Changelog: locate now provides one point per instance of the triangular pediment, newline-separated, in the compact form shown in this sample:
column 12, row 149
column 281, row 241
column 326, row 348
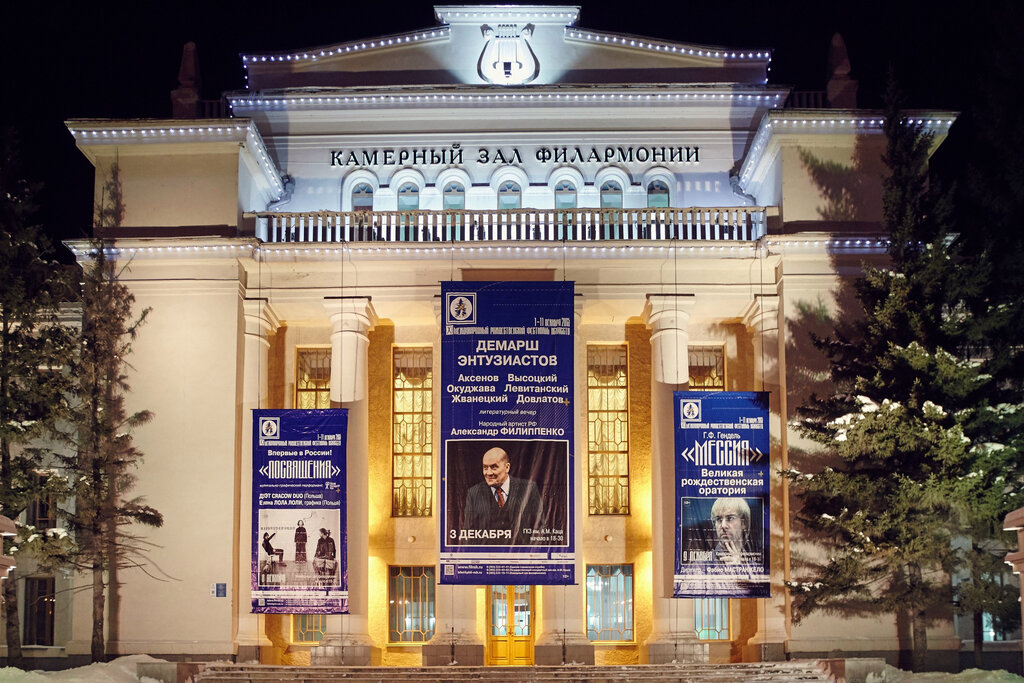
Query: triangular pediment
column 504, row 46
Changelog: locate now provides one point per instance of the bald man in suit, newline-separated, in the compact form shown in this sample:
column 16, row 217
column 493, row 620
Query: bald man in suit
column 502, row 502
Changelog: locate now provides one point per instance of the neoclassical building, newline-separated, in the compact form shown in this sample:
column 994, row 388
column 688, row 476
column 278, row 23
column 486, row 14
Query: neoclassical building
column 293, row 253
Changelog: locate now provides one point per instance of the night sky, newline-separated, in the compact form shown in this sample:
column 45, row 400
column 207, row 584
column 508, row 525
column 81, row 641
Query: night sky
column 66, row 60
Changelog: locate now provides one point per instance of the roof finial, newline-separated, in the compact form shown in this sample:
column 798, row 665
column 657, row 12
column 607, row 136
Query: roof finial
column 841, row 90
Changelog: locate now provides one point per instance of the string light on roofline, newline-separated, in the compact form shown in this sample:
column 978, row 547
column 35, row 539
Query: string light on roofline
column 327, row 250
column 179, row 133
column 665, row 46
column 438, row 33
column 242, row 102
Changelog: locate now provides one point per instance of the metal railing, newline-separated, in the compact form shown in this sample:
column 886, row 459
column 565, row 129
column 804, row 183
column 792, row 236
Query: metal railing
column 737, row 223
column 806, row 99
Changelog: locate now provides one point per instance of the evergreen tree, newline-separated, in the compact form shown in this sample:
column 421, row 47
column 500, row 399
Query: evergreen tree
column 989, row 280
column 104, row 455
column 888, row 504
column 34, row 349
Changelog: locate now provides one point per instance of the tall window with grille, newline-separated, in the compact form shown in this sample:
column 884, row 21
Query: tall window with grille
column 313, row 377
column 610, row 602
column 707, row 373
column 39, row 610
column 410, row 604
column 412, row 465
column 41, row 511
column 608, row 429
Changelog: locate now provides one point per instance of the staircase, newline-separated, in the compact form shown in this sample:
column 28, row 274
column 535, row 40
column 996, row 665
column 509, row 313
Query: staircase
column 809, row 671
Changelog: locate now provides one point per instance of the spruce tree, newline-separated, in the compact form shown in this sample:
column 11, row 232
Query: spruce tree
column 988, row 281
column 34, row 349
column 887, row 504
column 104, row 455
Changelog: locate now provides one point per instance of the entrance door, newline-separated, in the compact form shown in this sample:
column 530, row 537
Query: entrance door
column 510, row 615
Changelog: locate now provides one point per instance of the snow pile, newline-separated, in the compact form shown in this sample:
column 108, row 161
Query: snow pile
column 121, row 670
column 893, row 675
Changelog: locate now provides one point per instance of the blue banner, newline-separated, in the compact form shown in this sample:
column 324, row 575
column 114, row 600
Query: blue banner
column 722, row 492
column 299, row 558
column 507, row 433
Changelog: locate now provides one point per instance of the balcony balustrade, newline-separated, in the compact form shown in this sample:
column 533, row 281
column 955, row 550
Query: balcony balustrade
column 545, row 225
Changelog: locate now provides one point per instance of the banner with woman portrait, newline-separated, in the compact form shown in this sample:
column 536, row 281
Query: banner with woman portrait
column 722, row 491
column 507, row 433
column 299, row 559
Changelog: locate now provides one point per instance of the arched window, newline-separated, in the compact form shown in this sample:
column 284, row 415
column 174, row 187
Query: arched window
column 408, row 197
column 611, row 195
column 362, row 197
column 657, row 195
column 510, row 196
column 454, row 197
column 565, row 195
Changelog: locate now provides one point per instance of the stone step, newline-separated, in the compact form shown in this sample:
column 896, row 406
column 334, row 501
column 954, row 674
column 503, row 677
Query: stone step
column 768, row 672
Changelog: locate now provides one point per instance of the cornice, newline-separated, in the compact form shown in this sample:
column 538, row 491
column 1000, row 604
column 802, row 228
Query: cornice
column 779, row 124
column 98, row 133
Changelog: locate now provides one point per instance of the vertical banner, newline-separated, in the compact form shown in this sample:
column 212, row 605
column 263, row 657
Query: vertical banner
column 299, row 558
column 722, row 491
column 507, row 433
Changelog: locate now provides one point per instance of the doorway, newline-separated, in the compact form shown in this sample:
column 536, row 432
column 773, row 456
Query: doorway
column 510, row 631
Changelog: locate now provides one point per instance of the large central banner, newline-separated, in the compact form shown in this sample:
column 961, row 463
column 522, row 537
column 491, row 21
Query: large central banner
column 722, row 492
column 507, row 433
column 299, row 559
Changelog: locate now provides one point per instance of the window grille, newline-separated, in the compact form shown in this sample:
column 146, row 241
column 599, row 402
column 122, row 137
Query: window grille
column 412, row 424
column 39, row 610
column 610, row 602
column 565, row 195
column 608, row 429
column 454, row 197
column 657, row 195
column 308, row 628
column 707, row 367
column 611, row 195
column 410, row 604
column 711, row 618
column 362, row 197
column 510, row 196
column 312, row 378
column 41, row 511
column 408, row 197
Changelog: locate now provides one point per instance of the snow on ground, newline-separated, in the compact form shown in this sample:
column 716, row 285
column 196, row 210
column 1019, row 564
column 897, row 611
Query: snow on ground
column 894, row 675
column 122, row 670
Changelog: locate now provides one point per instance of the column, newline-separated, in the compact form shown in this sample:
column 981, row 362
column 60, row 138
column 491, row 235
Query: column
column 562, row 634
column 456, row 638
column 763, row 318
column 673, row 638
column 348, row 641
column 260, row 321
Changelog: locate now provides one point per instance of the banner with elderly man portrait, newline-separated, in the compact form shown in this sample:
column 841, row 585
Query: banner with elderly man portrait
column 507, row 433
column 722, row 491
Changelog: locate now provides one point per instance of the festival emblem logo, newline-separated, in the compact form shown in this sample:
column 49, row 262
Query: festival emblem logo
column 690, row 410
column 461, row 308
column 270, row 427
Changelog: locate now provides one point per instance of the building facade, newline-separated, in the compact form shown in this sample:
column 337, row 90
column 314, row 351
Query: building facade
column 293, row 255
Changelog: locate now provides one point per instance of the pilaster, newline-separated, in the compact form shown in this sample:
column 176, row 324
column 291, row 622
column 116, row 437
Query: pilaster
column 763, row 318
column 259, row 322
column 348, row 641
column 673, row 638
